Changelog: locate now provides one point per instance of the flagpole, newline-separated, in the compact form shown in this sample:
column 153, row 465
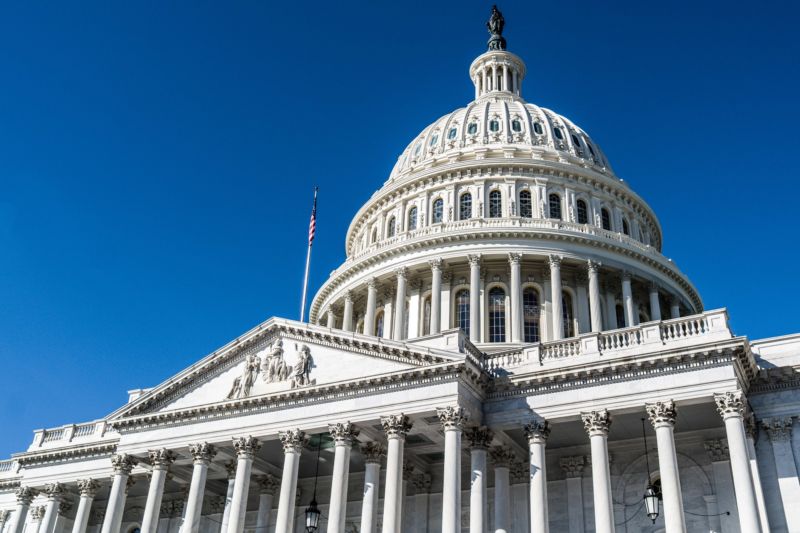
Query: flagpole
column 308, row 261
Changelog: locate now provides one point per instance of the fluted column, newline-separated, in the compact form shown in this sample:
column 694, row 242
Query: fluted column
column 751, row 430
column 514, row 261
column 372, row 452
column 779, row 431
column 267, row 486
column 24, row 497
column 292, row 441
column 160, row 461
column 730, row 406
column 122, row 464
column 537, row 432
column 474, row 298
column 54, row 493
column 400, row 305
column 202, row 454
column 480, row 438
column 662, row 416
column 436, row 295
column 573, row 471
column 597, row 424
column 369, row 313
column 593, row 271
column 396, row 428
column 246, row 448
column 655, row 305
column 453, row 420
column 557, row 317
column 627, row 300
column 501, row 459
column 347, row 321
column 343, row 436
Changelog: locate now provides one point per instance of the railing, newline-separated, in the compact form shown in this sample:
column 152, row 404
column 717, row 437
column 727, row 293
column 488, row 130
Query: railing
column 692, row 327
column 51, row 435
column 619, row 339
column 6, row 466
column 560, row 349
column 84, row 430
column 70, row 432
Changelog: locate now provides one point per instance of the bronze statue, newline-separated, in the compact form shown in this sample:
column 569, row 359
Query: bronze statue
column 495, row 27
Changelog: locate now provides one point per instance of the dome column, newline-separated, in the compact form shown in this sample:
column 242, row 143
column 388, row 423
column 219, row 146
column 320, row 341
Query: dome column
column 516, row 297
column 474, row 298
column 674, row 308
column 400, row 305
column 627, row 299
column 436, row 295
column 655, row 306
column 369, row 315
column 592, row 269
column 555, row 297
column 347, row 321
column 331, row 318
column 611, row 307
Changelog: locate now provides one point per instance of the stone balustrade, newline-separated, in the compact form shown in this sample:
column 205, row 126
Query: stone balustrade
column 61, row 436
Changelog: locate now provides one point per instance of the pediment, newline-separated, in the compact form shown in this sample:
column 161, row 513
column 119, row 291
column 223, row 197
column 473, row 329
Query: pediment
column 282, row 356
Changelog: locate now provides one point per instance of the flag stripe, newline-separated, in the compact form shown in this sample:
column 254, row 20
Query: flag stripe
column 312, row 225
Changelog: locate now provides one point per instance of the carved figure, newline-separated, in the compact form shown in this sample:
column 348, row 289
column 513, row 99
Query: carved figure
column 302, row 368
column 251, row 367
column 495, row 27
column 274, row 368
column 235, row 388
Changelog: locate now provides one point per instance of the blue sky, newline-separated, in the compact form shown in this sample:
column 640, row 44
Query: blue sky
column 157, row 161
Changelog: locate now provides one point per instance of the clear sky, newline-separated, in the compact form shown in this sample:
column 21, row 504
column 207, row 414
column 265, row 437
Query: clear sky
column 157, row 161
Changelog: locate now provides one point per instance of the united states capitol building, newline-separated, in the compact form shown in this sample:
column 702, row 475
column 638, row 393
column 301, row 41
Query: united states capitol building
column 504, row 349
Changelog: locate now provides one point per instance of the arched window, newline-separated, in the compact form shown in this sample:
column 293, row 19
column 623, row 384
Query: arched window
column 555, row 206
column 558, row 133
column 495, row 204
column 390, row 228
column 412, row 218
column 426, row 316
column 497, row 315
column 537, row 128
column 583, row 213
column 494, row 125
column 576, row 142
column 625, row 229
column 434, row 139
column 472, row 129
column 525, row 204
column 379, row 324
column 516, row 125
column 451, row 134
column 374, row 235
column 530, row 315
column 605, row 219
column 567, row 316
column 438, row 210
column 462, row 310
column 465, row 206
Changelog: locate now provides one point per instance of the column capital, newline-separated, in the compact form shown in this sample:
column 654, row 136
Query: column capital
column 37, row 513
column 730, row 404
column 88, row 487
column 64, row 507
column 514, row 258
column 436, row 263
column 661, row 413
column 267, row 484
column 123, row 463
column 292, row 440
column 161, row 459
column 246, row 446
column 626, row 275
column 572, row 466
column 452, row 418
column 653, row 285
column 230, row 469
column 501, row 456
column 555, row 261
column 401, row 273
column 474, row 260
column 202, row 452
column 537, row 431
column 372, row 283
column 597, row 422
column 717, row 450
column 25, row 495
column 343, row 433
column 348, row 296
column 54, row 491
column 421, row 482
column 480, row 437
column 593, row 267
column 779, row 429
column 396, row 426
column 408, row 469
column 373, row 452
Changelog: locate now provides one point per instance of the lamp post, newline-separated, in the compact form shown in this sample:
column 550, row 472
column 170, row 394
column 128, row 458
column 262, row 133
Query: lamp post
column 312, row 511
column 650, row 494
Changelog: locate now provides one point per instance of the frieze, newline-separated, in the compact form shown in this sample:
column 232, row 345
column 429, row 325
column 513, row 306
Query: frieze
column 65, row 454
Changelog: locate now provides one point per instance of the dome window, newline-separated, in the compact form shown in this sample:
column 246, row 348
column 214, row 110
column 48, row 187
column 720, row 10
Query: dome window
column 472, row 129
column 417, row 149
column 576, row 141
column 495, row 204
column 434, row 139
column 583, row 214
column 559, row 135
column 516, row 125
column 567, row 315
column 465, row 206
column 537, row 128
column 591, row 150
column 555, row 206
column 412, row 219
column 605, row 219
column 525, row 204
column 625, row 228
column 530, row 315
column 437, row 211
column 462, row 310
column 494, row 125
column 374, row 238
column 497, row 315
column 390, row 228
column 452, row 134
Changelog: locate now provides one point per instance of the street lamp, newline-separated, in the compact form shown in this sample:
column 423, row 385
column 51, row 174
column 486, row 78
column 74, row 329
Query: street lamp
column 650, row 494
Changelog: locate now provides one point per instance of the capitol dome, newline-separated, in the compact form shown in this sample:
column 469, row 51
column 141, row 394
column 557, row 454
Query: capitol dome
column 506, row 220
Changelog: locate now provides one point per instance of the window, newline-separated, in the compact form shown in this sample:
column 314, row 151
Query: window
column 417, row 149
column 434, row 139
column 591, row 150
column 472, row 129
column 537, row 128
column 438, row 209
column 620, row 316
column 583, row 214
column 558, row 133
column 516, row 125
column 494, row 125
column 555, row 206
column 567, row 316
column 465, row 206
column 530, row 315
column 374, row 235
column 462, row 310
column 625, row 229
column 412, row 219
column 390, row 227
column 379, row 324
column 605, row 219
column 426, row 316
column 497, row 315
column 525, row 204
column 452, row 134
column 576, row 142
column 495, row 204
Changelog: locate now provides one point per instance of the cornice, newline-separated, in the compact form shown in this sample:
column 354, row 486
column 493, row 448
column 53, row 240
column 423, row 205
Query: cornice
column 10, row 484
column 775, row 379
column 67, row 453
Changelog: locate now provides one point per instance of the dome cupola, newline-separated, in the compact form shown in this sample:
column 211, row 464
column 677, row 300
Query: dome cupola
column 497, row 71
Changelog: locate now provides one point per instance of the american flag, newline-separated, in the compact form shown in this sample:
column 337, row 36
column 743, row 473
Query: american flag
column 312, row 225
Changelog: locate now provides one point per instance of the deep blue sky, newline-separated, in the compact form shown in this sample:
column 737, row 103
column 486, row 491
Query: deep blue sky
column 157, row 161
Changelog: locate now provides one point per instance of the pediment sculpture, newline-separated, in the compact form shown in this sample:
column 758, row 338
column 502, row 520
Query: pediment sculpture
column 274, row 369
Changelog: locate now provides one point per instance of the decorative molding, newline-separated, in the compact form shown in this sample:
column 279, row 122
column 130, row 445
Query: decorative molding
column 343, row 433
column 779, row 429
column 572, row 466
column 396, row 426
column 66, row 454
column 373, row 452
column 452, row 418
column 537, row 431
column 717, row 450
column 88, row 487
column 480, row 437
column 596, row 422
column 202, row 453
column 730, row 404
column 661, row 413
column 123, row 463
column 292, row 440
column 25, row 495
column 161, row 459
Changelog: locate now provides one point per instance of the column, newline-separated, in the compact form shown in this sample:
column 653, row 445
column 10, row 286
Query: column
column 751, row 429
column 414, row 305
column 160, row 460
column 331, row 318
column 725, row 500
column 230, row 466
column 662, row 416
column 474, row 297
column 627, row 299
column 597, row 424
column 267, row 486
column 202, row 454
column 37, row 514
column 61, row 516
column 343, row 436
column 396, row 428
column 5, row 514
column 479, row 439
column 730, row 406
column 453, row 420
column 369, row 314
column 779, row 431
column 505, row 77
column 536, row 433
column 54, row 493
column 400, row 305
column 593, row 271
column 88, row 490
column 573, row 471
column 655, row 305
column 436, row 295
column 122, row 464
column 24, row 497
column 514, row 261
column 555, row 298
column 502, row 458
column 372, row 452
column 611, row 308
column 422, row 488
column 347, row 321
column 447, row 300
column 246, row 448
column 292, row 441
column 674, row 308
